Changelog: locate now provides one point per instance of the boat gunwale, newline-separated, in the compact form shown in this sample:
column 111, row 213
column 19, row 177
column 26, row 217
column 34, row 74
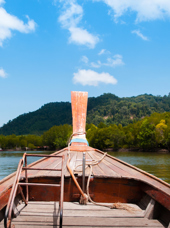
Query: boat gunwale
column 101, row 152
column 30, row 165
column 136, row 168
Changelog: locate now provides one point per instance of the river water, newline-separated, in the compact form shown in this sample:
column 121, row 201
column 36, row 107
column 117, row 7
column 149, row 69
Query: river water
column 9, row 160
column 154, row 163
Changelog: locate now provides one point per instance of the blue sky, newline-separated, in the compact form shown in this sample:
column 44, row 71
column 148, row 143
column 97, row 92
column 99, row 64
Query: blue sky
column 51, row 47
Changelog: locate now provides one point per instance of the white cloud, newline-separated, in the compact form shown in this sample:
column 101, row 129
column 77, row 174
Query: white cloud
column 102, row 52
column 115, row 61
column 9, row 22
column 138, row 33
column 3, row 74
column 145, row 9
column 71, row 15
column 92, row 78
column 70, row 18
column 82, row 37
column 84, row 59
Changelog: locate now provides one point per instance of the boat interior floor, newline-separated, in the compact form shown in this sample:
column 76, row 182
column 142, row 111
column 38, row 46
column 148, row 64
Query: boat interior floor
column 46, row 214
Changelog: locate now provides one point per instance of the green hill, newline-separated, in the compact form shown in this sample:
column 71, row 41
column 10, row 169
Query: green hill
column 106, row 108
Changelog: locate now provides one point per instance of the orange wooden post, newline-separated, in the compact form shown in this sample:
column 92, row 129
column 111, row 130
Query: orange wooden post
column 79, row 112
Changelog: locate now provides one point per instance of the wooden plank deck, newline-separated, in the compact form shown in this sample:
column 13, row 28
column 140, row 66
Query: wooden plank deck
column 45, row 214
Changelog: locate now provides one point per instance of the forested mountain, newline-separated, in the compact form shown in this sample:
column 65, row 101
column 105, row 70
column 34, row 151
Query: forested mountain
column 106, row 108
column 57, row 113
column 114, row 110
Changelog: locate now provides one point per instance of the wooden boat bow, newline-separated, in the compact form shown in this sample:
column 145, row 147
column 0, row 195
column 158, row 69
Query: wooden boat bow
column 111, row 180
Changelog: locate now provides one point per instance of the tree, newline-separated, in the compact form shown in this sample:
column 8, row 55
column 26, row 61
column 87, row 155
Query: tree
column 57, row 136
column 101, row 125
column 146, row 135
column 100, row 139
column 91, row 132
column 31, row 146
column 159, row 133
column 62, row 135
column 117, row 136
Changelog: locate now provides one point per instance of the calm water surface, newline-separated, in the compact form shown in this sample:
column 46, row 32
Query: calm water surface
column 9, row 160
column 154, row 163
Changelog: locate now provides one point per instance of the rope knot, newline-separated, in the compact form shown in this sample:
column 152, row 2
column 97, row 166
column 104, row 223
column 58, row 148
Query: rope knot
column 84, row 199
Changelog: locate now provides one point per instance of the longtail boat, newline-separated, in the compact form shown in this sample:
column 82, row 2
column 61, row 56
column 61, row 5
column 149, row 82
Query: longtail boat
column 80, row 186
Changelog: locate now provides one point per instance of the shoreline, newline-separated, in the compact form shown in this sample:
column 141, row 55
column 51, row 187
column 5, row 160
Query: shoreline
column 120, row 150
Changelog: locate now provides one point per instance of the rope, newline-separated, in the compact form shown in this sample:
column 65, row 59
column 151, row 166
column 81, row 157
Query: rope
column 111, row 206
column 87, row 189
column 86, row 197
column 74, row 179
column 76, row 133
column 94, row 162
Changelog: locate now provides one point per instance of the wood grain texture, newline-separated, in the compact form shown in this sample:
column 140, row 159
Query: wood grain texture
column 45, row 214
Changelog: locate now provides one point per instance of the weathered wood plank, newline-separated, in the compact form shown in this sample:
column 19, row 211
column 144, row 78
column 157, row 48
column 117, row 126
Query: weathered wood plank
column 50, row 226
column 140, row 174
column 150, row 209
column 78, row 164
column 75, row 205
column 123, row 169
column 56, row 226
column 45, row 214
column 56, row 165
column 48, row 211
column 35, row 173
column 113, row 222
column 83, row 221
column 75, row 209
column 83, row 213
column 72, row 154
column 115, row 168
column 106, row 169
column 97, row 171
column 158, row 195
column 46, row 162
column 32, row 226
column 144, row 202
